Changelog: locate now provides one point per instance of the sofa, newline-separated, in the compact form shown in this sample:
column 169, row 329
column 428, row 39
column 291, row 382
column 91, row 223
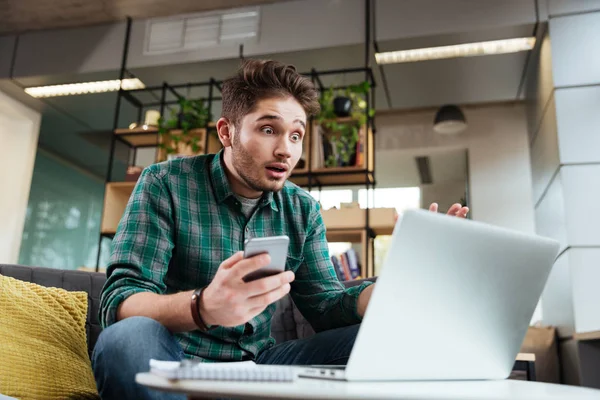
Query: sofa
column 287, row 323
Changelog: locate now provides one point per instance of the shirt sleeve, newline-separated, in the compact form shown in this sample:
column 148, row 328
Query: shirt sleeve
column 321, row 298
column 142, row 247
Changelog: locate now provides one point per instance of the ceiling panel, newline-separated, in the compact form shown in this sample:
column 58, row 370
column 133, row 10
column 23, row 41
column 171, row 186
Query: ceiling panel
column 458, row 81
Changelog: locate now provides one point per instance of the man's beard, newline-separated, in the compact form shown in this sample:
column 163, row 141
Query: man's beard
column 244, row 164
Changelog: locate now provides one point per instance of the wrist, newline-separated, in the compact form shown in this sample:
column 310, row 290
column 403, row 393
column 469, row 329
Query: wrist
column 199, row 314
column 204, row 313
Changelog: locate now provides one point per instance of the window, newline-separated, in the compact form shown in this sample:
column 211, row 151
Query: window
column 332, row 198
column 399, row 198
column 62, row 225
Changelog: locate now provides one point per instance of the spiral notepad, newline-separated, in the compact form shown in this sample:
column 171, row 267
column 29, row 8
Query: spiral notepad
column 228, row 371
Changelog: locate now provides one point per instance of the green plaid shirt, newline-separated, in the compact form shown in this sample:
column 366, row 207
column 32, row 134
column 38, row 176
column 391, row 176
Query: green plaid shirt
column 183, row 220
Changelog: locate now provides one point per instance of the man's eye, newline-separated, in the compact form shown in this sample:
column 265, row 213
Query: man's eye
column 268, row 130
column 296, row 137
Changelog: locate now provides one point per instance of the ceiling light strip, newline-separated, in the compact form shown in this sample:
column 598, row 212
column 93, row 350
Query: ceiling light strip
column 459, row 50
column 71, row 89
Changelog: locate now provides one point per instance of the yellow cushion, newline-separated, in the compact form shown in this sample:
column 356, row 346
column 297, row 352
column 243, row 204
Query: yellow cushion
column 43, row 351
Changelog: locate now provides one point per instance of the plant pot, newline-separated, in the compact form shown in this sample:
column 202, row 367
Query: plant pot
column 342, row 106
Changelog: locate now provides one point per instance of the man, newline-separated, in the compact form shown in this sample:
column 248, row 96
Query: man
column 175, row 288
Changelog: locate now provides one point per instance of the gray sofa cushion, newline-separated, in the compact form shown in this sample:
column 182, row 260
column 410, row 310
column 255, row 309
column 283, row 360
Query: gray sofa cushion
column 69, row 280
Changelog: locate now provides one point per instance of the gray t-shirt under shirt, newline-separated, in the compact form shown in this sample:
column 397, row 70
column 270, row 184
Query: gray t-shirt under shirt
column 248, row 205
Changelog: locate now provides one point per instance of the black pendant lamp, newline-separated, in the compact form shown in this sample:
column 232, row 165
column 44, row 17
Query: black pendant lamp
column 449, row 120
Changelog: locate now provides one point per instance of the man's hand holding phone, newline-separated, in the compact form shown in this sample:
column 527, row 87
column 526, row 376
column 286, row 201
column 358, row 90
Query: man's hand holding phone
column 230, row 301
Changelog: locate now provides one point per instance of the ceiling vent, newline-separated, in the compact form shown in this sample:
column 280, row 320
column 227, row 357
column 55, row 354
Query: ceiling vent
column 195, row 31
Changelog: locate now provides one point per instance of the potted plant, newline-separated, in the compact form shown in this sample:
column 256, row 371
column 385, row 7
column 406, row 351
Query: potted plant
column 192, row 114
column 343, row 136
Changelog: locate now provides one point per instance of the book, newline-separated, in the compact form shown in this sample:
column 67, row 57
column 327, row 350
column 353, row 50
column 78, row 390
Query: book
column 222, row 371
column 339, row 271
column 353, row 263
column 344, row 262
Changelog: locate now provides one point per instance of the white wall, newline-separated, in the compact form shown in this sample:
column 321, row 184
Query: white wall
column 445, row 194
column 499, row 165
column 498, row 159
column 19, row 130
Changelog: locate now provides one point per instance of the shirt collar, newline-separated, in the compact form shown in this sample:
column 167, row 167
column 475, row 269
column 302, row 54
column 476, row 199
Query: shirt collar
column 221, row 185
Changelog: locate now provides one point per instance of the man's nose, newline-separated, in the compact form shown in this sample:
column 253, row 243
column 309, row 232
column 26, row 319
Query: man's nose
column 283, row 148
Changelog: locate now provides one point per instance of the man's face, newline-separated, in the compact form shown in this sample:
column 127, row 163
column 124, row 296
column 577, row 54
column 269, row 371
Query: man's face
column 267, row 143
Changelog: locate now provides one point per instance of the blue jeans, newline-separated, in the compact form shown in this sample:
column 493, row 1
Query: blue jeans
column 125, row 348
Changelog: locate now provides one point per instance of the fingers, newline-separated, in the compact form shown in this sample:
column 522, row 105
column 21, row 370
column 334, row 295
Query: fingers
column 246, row 265
column 268, row 284
column 231, row 261
column 433, row 207
column 454, row 209
column 458, row 210
column 263, row 300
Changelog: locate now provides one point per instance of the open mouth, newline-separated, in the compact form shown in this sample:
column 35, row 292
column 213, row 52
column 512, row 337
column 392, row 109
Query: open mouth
column 276, row 169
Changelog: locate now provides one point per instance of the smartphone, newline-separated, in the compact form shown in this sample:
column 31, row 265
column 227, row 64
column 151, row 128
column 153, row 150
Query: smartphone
column 275, row 246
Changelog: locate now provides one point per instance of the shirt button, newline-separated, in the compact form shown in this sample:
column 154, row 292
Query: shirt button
column 247, row 229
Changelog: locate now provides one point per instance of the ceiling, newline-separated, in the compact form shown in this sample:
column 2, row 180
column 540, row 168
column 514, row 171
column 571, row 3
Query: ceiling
column 27, row 15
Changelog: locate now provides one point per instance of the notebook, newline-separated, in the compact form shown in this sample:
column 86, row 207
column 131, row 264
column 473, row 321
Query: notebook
column 227, row 371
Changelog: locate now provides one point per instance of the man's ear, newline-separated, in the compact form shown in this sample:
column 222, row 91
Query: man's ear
column 225, row 129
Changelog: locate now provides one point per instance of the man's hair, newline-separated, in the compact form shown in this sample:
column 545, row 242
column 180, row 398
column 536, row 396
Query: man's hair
column 260, row 79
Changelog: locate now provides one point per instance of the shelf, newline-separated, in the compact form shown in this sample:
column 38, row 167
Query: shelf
column 593, row 335
column 115, row 200
column 138, row 137
column 527, row 357
column 350, row 235
column 335, row 170
column 338, row 176
column 348, row 220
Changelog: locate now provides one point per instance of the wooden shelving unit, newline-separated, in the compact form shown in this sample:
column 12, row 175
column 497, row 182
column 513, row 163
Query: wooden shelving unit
column 313, row 174
column 348, row 225
column 116, row 197
column 381, row 220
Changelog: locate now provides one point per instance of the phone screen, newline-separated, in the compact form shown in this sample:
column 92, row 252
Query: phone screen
column 275, row 246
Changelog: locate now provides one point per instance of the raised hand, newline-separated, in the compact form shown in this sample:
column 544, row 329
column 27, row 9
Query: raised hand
column 456, row 210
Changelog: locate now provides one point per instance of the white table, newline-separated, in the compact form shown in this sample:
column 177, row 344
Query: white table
column 321, row 389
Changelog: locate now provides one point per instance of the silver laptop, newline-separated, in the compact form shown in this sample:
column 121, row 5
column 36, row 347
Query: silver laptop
column 453, row 301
